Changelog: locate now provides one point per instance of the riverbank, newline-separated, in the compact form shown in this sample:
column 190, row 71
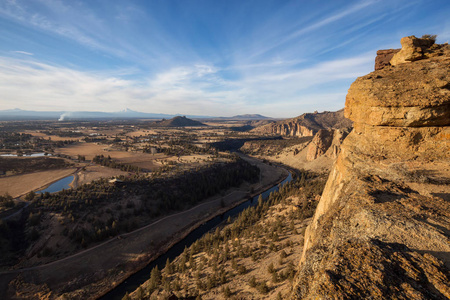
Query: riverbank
column 95, row 271
column 19, row 185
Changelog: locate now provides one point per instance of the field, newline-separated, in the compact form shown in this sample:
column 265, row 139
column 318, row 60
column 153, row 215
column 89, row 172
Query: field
column 89, row 150
column 19, row 185
column 51, row 137
column 93, row 172
column 169, row 180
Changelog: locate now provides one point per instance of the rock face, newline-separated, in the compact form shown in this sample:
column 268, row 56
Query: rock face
column 382, row 226
column 307, row 124
column 326, row 142
column 384, row 57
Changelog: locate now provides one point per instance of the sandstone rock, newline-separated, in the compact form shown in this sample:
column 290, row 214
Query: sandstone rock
column 382, row 226
column 412, row 49
column 412, row 95
column 326, row 142
column 384, row 57
column 319, row 144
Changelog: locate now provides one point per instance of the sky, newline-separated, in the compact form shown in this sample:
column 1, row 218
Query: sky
column 277, row 58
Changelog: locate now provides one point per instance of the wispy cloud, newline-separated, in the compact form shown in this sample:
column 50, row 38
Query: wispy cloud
column 23, row 52
column 189, row 89
column 74, row 23
column 315, row 26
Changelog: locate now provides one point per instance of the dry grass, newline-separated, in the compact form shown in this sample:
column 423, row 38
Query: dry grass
column 22, row 184
column 52, row 137
column 95, row 172
column 89, row 150
column 141, row 133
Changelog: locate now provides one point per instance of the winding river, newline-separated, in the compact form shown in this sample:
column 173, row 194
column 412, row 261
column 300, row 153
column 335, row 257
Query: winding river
column 138, row 278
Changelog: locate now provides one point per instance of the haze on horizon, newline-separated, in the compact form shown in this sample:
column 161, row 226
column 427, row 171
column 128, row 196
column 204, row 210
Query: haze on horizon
column 216, row 58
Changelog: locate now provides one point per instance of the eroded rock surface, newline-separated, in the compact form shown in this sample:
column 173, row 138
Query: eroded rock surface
column 384, row 57
column 307, row 124
column 326, row 142
column 382, row 227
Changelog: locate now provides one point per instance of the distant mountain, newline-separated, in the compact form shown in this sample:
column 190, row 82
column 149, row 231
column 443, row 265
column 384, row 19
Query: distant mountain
column 250, row 117
column 177, row 122
column 307, row 124
column 19, row 114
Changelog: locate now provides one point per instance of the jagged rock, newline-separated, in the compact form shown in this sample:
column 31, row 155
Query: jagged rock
column 338, row 137
column 307, row 124
column 412, row 49
column 319, row 144
column 326, row 142
column 384, row 57
column 382, row 226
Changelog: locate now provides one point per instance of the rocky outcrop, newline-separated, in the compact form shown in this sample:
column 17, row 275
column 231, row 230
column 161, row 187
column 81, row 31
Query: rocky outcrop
column 384, row 57
column 410, row 95
column 382, row 226
column 412, row 49
column 307, row 124
column 326, row 142
column 319, row 144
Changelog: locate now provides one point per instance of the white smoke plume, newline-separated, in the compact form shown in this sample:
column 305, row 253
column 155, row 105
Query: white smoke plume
column 63, row 116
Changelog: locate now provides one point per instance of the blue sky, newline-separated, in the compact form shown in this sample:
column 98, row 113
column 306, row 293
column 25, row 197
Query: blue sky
column 215, row 57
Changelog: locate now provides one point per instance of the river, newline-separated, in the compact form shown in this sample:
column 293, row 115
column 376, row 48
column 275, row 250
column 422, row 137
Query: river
column 138, row 278
column 41, row 154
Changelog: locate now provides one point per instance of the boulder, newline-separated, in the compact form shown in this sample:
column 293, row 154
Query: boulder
column 412, row 49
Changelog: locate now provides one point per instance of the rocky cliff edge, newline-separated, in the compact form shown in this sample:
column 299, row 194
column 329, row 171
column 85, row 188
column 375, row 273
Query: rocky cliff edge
column 382, row 226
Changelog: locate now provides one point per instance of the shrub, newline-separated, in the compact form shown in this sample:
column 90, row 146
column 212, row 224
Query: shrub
column 262, row 287
column 252, row 282
column 430, row 37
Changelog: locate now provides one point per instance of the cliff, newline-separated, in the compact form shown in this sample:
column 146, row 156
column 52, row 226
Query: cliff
column 307, row 124
column 382, row 226
column 326, row 142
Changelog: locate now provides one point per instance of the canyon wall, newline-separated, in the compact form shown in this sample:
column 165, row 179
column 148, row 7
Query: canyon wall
column 382, row 226
column 307, row 124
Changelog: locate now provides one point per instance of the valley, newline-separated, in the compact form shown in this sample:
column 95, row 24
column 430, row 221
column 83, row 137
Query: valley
column 324, row 205
column 130, row 199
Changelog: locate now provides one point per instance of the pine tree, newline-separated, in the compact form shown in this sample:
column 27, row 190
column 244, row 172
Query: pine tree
column 155, row 279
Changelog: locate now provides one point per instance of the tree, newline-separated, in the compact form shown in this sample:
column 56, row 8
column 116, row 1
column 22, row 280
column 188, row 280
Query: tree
column 140, row 293
column 30, row 196
column 155, row 279
column 168, row 268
